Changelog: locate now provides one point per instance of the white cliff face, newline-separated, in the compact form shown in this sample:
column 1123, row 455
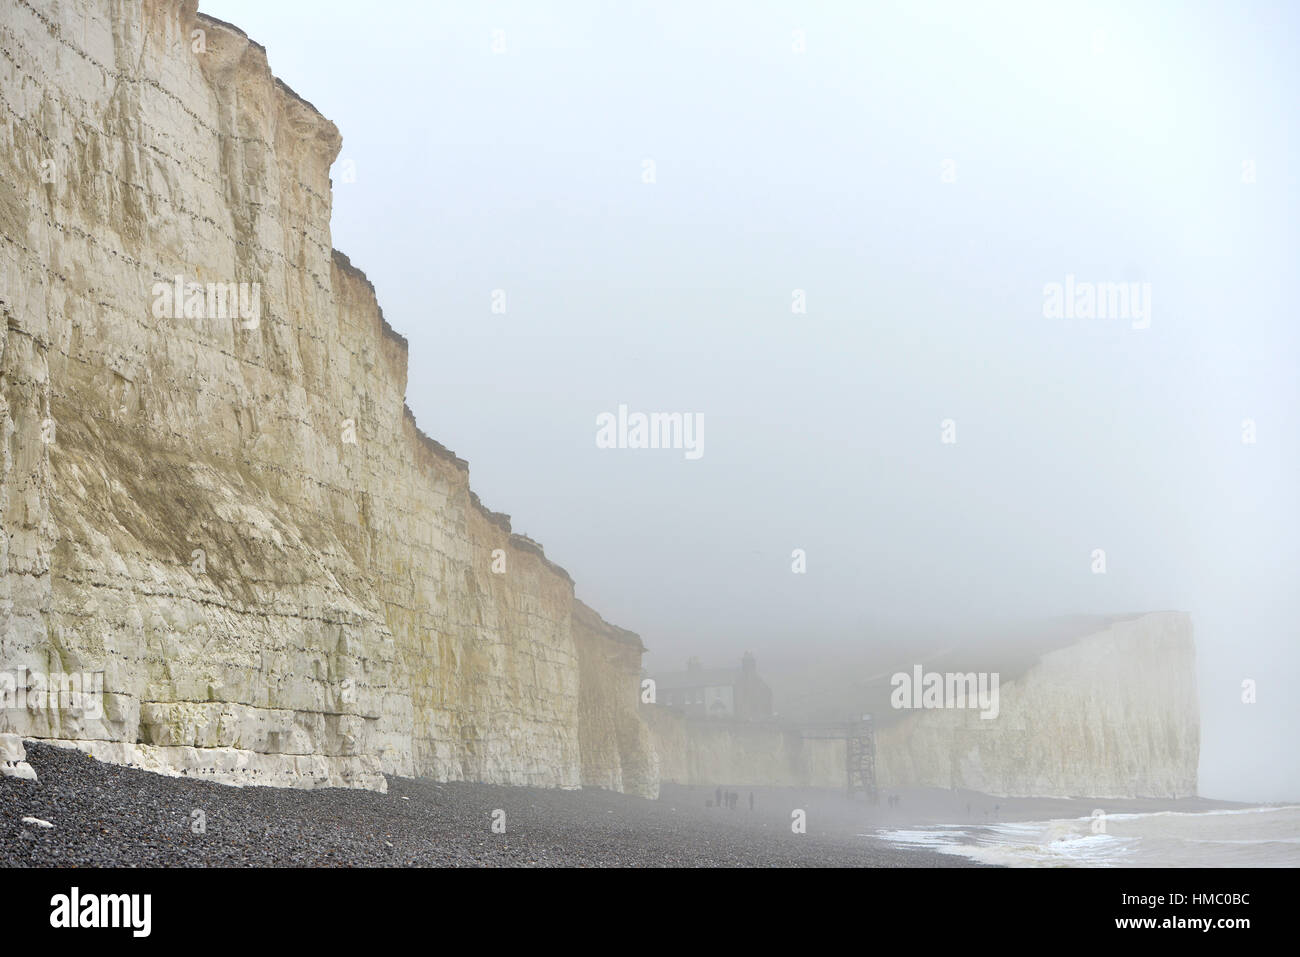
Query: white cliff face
column 234, row 517
column 617, row 749
column 1112, row 715
column 706, row 752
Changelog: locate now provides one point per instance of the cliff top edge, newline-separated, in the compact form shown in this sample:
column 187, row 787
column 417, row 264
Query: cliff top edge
column 347, row 267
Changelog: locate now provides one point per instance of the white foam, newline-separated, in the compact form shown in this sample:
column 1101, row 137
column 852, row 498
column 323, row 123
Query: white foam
column 1224, row 837
column 1028, row 844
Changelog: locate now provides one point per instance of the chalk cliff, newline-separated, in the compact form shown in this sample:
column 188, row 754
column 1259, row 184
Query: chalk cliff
column 236, row 519
column 707, row 752
column 1083, row 711
column 1113, row 714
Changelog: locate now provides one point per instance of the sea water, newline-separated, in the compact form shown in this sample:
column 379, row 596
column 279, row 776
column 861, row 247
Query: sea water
column 1241, row 837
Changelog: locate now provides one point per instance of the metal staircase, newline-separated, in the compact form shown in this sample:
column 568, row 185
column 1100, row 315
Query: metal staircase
column 860, row 739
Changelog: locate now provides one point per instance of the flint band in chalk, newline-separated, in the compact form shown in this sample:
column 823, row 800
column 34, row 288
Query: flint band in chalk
column 214, row 300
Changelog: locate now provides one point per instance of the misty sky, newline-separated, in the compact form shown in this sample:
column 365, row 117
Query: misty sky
column 1106, row 143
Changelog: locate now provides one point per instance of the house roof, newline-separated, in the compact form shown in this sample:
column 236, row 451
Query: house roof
column 697, row 678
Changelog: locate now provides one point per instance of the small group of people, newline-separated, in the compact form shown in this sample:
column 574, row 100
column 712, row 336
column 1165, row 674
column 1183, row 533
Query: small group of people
column 730, row 799
column 895, row 800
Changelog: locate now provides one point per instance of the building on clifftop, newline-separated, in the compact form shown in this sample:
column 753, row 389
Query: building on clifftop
column 699, row 692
